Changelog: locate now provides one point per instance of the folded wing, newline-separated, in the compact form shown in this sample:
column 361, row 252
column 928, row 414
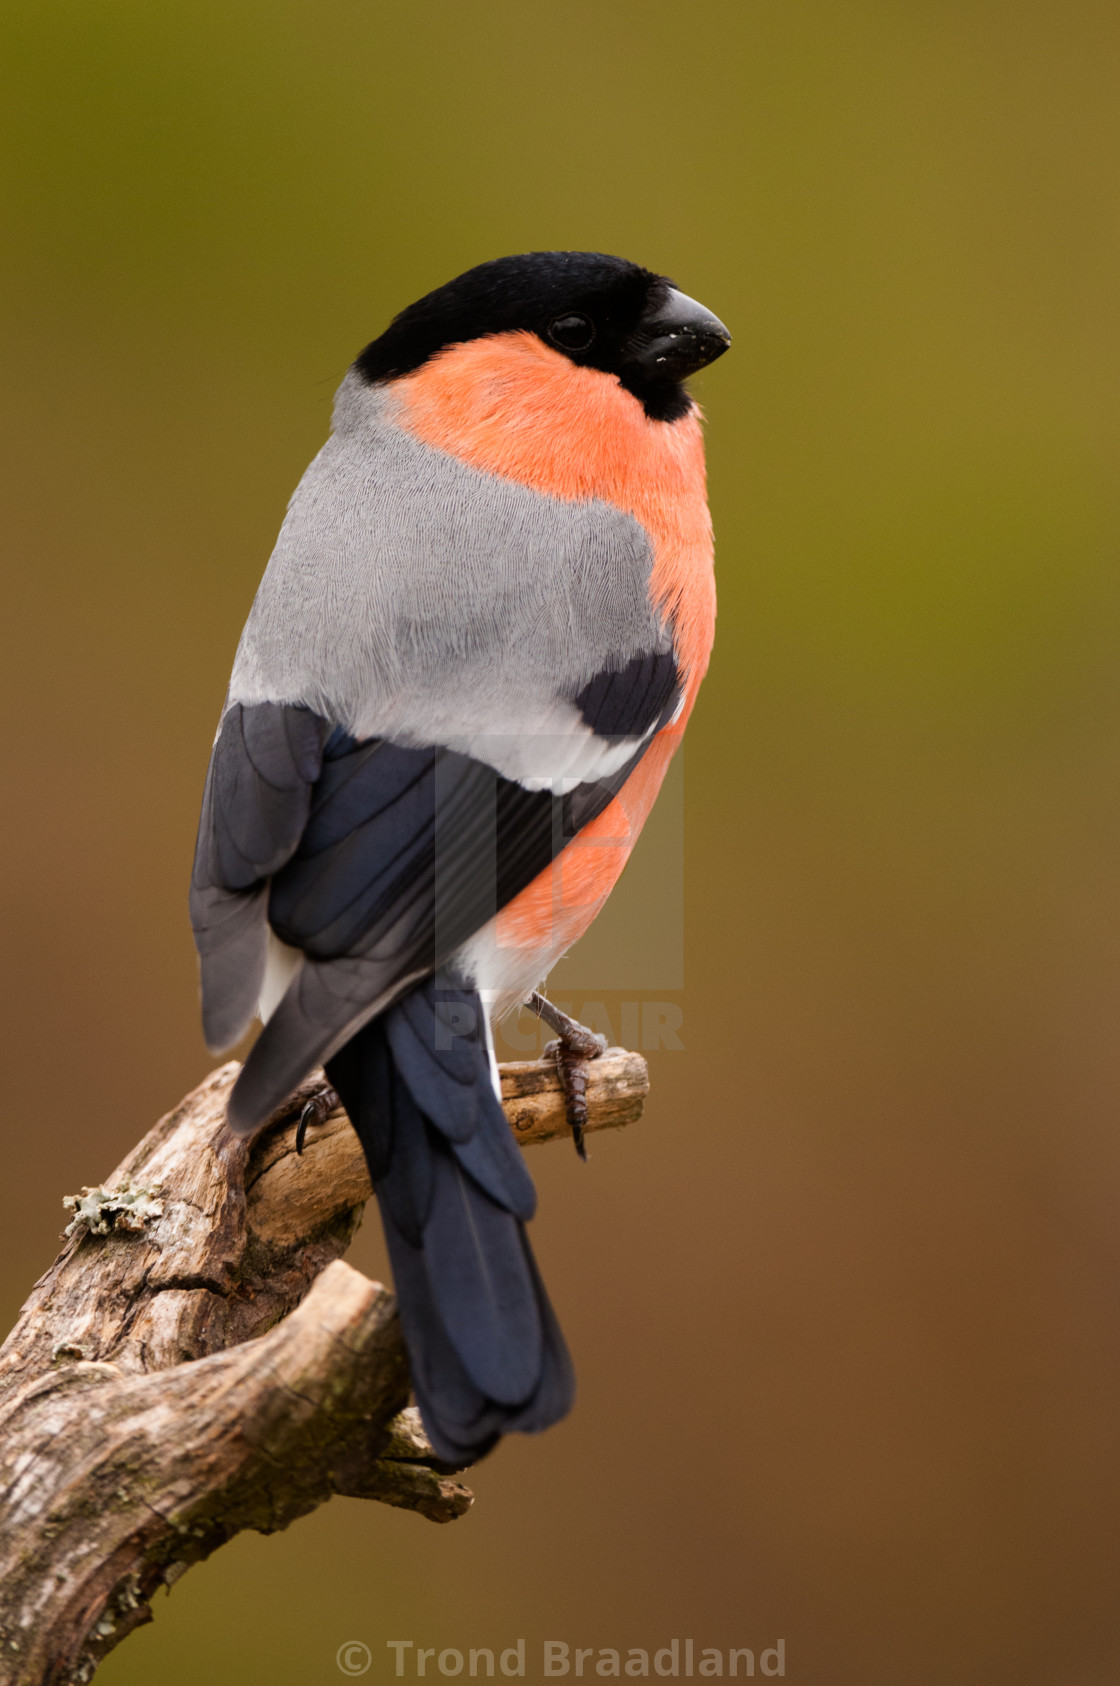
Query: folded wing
column 375, row 860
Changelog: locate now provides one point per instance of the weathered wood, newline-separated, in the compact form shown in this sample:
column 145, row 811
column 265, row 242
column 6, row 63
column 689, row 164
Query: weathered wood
column 198, row 1360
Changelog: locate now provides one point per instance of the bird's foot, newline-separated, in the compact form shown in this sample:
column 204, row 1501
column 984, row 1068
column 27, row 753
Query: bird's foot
column 574, row 1048
column 317, row 1110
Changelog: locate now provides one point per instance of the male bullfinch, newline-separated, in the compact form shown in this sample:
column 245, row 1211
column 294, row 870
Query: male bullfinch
column 472, row 654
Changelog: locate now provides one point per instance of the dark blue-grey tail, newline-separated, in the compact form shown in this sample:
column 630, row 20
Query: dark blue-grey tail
column 486, row 1352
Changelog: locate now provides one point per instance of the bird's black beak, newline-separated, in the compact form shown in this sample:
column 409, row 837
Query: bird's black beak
column 677, row 336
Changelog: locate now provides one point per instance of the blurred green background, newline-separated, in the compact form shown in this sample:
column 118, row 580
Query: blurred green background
column 846, row 1304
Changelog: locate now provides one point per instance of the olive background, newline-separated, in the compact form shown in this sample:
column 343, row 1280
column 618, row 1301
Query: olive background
column 845, row 1304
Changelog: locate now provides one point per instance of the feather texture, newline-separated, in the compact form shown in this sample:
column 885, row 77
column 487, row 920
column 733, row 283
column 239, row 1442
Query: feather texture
column 254, row 810
column 374, row 861
column 486, row 1351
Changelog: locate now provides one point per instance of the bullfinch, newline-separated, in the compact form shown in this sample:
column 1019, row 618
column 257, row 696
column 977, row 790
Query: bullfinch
column 472, row 654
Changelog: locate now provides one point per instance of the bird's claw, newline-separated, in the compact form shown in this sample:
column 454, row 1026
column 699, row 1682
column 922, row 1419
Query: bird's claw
column 316, row 1111
column 574, row 1048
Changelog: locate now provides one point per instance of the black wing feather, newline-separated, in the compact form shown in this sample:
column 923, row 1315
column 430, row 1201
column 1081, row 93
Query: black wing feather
column 254, row 810
column 629, row 701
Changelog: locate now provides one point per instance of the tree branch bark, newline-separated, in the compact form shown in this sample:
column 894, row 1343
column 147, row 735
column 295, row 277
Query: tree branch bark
column 198, row 1360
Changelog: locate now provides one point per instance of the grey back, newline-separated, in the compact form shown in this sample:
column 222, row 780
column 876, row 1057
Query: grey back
column 417, row 599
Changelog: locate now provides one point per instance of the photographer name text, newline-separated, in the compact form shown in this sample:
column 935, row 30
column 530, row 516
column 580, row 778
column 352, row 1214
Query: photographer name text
column 680, row 1659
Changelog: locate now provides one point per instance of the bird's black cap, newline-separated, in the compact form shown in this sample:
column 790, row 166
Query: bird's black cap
column 602, row 312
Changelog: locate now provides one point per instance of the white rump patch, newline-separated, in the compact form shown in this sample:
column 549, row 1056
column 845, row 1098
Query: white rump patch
column 280, row 967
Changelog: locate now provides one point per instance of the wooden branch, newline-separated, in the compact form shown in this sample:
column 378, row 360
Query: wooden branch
column 198, row 1361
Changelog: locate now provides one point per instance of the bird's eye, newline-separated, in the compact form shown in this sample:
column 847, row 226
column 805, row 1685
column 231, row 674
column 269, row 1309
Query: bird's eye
column 572, row 333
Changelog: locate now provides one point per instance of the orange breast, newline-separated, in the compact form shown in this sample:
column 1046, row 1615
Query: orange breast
column 514, row 407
